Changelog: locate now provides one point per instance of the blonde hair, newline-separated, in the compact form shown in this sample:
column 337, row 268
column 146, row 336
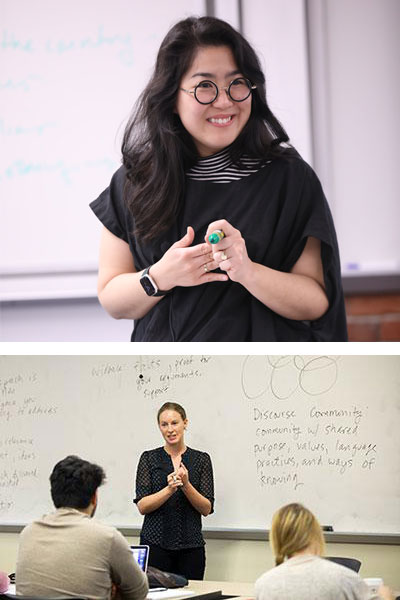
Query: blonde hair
column 294, row 528
column 172, row 406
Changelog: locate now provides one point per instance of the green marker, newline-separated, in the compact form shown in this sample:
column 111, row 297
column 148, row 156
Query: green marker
column 216, row 236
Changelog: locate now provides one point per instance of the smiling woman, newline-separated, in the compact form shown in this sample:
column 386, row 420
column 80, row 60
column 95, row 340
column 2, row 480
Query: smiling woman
column 203, row 152
column 219, row 115
column 174, row 489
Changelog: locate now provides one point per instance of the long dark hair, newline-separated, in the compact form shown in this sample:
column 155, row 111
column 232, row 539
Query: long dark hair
column 157, row 149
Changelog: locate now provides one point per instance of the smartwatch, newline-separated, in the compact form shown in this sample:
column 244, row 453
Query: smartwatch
column 149, row 285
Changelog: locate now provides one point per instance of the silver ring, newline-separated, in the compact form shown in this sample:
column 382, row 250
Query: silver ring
column 205, row 268
column 224, row 256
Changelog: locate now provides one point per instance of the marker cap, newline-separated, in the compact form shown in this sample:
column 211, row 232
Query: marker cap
column 216, row 236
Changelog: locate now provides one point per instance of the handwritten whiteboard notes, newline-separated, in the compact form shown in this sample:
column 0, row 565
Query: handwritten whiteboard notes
column 319, row 430
column 21, row 405
column 309, row 436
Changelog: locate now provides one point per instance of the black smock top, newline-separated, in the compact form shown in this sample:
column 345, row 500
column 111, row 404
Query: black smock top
column 276, row 209
column 176, row 524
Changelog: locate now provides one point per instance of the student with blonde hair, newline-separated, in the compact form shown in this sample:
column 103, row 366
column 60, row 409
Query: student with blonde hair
column 301, row 572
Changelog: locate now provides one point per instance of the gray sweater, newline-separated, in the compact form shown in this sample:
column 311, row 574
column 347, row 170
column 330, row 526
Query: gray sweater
column 66, row 553
column 309, row 577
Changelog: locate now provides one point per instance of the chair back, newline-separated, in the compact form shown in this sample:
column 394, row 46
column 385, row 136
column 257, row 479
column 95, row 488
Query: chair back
column 351, row 563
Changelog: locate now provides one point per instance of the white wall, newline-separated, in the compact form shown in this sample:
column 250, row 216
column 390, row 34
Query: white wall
column 277, row 31
column 72, row 320
column 355, row 48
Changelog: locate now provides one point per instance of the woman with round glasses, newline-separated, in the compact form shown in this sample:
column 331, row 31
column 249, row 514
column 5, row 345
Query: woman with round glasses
column 206, row 92
column 203, row 153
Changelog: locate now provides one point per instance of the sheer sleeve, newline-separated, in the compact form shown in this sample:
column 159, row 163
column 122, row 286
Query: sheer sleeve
column 143, row 478
column 207, row 480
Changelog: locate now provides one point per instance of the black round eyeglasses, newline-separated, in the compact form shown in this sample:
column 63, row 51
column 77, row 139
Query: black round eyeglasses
column 207, row 91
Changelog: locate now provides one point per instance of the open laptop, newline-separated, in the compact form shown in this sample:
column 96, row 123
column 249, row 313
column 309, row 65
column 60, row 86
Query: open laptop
column 141, row 555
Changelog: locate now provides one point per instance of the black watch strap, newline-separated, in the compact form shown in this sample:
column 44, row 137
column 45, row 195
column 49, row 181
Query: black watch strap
column 149, row 285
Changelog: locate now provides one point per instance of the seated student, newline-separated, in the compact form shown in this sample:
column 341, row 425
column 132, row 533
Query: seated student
column 67, row 553
column 301, row 573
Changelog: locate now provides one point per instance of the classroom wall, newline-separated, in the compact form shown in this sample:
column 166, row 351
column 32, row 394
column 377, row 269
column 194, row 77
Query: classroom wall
column 362, row 45
column 245, row 560
column 65, row 320
column 373, row 317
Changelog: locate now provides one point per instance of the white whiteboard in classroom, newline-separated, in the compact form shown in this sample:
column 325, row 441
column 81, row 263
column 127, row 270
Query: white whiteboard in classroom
column 320, row 430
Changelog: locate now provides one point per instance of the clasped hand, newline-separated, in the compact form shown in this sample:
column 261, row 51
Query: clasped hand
column 230, row 253
column 178, row 478
column 186, row 265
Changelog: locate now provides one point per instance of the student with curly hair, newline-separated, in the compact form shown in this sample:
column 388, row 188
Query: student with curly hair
column 68, row 553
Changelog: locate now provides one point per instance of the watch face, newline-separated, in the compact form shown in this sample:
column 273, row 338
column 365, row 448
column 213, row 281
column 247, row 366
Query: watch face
column 148, row 285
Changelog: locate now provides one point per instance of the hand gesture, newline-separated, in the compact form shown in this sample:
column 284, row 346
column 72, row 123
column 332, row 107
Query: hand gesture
column 230, row 253
column 174, row 481
column 183, row 474
column 186, row 265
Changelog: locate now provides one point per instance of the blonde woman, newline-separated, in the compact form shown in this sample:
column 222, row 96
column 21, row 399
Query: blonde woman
column 300, row 572
column 174, row 489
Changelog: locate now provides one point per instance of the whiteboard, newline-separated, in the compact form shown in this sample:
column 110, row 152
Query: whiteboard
column 277, row 30
column 361, row 188
column 70, row 74
column 320, row 430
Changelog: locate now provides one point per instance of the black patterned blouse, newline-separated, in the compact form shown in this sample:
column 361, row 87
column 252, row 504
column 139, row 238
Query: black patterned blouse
column 176, row 524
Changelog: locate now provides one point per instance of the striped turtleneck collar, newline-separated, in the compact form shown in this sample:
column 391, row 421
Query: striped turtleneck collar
column 218, row 168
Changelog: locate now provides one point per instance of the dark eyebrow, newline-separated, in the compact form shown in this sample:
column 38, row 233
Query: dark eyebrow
column 230, row 74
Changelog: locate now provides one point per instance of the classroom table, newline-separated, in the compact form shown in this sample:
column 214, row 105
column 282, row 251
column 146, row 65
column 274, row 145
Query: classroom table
column 228, row 588
column 216, row 590
column 204, row 590
column 207, row 590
